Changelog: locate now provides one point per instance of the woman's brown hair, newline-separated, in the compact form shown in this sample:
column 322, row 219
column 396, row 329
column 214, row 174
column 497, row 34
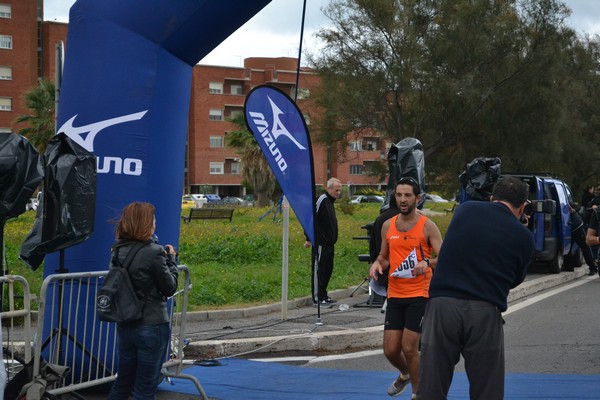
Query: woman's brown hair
column 136, row 222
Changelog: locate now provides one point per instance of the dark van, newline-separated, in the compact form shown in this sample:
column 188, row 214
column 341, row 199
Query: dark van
column 549, row 220
column 552, row 229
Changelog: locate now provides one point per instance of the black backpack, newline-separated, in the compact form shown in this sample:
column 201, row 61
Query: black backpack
column 116, row 300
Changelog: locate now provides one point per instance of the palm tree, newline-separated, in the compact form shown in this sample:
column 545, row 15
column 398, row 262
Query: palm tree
column 255, row 168
column 40, row 101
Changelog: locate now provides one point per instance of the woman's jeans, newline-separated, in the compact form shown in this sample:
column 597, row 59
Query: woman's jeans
column 142, row 350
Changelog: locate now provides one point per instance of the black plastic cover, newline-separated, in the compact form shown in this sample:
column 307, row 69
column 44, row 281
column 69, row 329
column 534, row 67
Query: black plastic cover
column 66, row 214
column 479, row 178
column 406, row 158
column 20, row 174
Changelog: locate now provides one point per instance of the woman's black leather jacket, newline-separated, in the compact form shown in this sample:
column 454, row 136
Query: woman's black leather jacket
column 154, row 277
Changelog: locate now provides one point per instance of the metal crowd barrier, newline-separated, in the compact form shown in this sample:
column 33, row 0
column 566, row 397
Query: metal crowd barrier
column 16, row 325
column 69, row 333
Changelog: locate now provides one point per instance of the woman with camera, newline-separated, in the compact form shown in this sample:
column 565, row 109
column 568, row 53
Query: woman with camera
column 142, row 345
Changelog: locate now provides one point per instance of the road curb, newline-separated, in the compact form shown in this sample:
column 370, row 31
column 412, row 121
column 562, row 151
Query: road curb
column 545, row 282
column 314, row 341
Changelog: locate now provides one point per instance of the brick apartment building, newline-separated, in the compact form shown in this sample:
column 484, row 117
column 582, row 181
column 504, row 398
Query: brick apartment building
column 20, row 53
column 27, row 52
column 218, row 94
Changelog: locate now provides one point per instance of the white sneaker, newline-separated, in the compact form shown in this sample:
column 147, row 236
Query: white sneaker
column 398, row 386
column 324, row 304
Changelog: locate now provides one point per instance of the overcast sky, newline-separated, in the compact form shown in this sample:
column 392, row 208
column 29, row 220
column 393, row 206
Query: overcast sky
column 275, row 31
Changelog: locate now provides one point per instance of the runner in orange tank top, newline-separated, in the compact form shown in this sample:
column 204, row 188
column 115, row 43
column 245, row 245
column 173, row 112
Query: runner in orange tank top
column 409, row 242
column 406, row 250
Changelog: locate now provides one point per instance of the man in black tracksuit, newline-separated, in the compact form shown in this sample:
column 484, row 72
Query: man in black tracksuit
column 323, row 250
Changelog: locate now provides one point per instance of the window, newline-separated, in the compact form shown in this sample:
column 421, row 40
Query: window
column 216, row 141
column 5, row 73
column 237, row 90
column 235, row 168
column 356, row 169
column 216, row 168
column 5, row 42
column 5, row 130
column 5, row 11
column 215, row 88
column 371, row 145
column 215, row 115
column 355, row 145
column 5, row 104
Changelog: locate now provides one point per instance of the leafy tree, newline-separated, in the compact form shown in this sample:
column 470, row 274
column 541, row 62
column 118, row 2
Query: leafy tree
column 255, row 168
column 468, row 78
column 582, row 117
column 41, row 121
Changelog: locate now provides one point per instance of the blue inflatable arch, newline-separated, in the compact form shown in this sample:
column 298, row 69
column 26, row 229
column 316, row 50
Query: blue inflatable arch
column 125, row 97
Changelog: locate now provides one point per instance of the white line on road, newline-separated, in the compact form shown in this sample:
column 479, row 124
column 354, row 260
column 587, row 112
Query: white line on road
column 315, row 359
column 285, row 359
column 543, row 296
column 347, row 356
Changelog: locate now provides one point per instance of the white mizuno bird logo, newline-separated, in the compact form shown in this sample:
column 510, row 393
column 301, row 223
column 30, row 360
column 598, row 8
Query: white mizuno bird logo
column 78, row 133
column 278, row 128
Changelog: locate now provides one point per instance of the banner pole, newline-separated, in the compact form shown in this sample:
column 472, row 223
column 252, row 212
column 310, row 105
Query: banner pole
column 58, row 66
column 300, row 51
column 284, row 258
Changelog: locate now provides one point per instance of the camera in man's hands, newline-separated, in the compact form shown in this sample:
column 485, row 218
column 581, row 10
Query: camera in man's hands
column 527, row 212
column 538, row 206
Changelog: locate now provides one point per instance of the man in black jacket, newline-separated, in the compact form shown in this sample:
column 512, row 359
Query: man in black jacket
column 578, row 233
column 323, row 250
column 485, row 253
column 375, row 239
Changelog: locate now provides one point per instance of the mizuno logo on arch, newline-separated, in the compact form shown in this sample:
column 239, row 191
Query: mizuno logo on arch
column 85, row 136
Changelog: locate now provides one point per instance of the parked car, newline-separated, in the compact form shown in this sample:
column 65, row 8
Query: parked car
column 549, row 221
column 249, row 200
column 358, row 199
column 212, row 198
column 434, row 198
column 232, row 201
column 199, row 200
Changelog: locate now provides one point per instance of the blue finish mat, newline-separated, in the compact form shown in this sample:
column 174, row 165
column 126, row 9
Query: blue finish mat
column 252, row 380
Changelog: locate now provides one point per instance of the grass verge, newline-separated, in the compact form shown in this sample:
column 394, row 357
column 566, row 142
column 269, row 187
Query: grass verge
column 239, row 263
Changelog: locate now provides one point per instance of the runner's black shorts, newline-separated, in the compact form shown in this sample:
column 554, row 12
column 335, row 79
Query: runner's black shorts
column 405, row 313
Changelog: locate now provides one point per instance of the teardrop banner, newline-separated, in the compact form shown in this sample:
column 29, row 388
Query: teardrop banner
column 281, row 132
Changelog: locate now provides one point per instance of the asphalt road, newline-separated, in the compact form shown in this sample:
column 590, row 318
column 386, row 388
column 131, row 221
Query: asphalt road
column 555, row 333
